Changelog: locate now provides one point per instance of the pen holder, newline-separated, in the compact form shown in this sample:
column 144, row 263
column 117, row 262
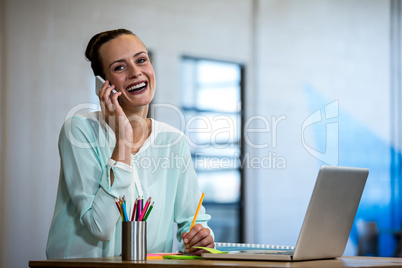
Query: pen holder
column 134, row 241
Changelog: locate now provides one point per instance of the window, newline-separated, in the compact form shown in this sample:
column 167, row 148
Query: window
column 211, row 103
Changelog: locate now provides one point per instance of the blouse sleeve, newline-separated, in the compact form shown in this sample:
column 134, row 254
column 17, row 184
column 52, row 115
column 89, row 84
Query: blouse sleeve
column 187, row 199
column 87, row 178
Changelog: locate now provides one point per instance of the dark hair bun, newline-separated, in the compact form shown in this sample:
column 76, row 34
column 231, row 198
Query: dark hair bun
column 89, row 50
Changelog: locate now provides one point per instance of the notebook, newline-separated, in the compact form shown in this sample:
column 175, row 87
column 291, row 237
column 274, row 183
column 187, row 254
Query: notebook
column 327, row 223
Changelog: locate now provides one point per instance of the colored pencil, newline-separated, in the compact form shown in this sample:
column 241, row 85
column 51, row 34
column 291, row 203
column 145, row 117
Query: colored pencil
column 125, row 211
column 139, row 208
column 196, row 212
column 145, row 209
column 117, row 204
column 134, row 209
column 149, row 211
column 119, row 208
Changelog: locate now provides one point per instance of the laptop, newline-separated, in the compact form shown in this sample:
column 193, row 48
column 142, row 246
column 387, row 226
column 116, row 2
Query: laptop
column 327, row 223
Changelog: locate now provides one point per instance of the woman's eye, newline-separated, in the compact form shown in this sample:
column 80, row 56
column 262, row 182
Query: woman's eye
column 118, row 68
column 142, row 60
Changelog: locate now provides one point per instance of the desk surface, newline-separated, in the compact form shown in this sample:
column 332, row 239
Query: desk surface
column 117, row 262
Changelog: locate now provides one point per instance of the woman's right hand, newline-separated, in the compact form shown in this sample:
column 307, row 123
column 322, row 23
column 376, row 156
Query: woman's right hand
column 116, row 118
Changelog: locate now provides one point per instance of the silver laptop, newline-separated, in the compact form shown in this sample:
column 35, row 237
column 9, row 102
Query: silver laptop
column 327, row 223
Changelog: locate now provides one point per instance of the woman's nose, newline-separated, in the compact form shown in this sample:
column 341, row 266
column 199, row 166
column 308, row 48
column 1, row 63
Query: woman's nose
column 134, row 71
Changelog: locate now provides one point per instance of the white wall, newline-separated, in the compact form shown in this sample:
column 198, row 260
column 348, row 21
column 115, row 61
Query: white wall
column 2, row 122
column 340, row 47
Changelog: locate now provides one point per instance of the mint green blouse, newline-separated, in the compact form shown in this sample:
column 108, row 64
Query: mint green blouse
column 86, row 221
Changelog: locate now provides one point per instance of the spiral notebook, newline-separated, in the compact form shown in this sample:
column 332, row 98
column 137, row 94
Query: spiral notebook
column 243, row 246
column 326, row 226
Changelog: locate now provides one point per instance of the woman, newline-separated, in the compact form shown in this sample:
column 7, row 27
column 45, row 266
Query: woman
column 107, row 155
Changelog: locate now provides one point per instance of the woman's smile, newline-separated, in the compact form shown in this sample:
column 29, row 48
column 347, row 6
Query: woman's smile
column 137, row 88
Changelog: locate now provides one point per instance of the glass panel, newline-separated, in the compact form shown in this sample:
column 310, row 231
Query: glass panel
column 230, row 151
column 225, row 99
column 217, row 72
column 188, row 81
column 221, row 187
column 225, row 222
column 210, row 129
column 212, row 109
column 204, row 162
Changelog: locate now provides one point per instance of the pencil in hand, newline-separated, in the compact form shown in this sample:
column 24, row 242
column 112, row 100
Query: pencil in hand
column 196, row 212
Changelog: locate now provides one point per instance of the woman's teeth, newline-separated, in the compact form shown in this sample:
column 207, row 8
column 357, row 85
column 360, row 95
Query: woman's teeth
column 137, row 87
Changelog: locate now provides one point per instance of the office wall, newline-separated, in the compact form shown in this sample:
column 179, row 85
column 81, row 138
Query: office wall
column 331, row 56
column 299, row 57
column 2, row 118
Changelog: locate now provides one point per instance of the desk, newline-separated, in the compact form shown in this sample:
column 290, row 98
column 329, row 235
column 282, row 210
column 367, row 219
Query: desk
column 117, row 262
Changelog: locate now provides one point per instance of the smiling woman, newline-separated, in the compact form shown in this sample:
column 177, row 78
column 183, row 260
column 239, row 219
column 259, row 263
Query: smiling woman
column 127, row 66
column 94, row 172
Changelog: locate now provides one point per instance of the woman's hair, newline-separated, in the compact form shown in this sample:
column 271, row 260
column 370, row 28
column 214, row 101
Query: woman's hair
column 92, row 51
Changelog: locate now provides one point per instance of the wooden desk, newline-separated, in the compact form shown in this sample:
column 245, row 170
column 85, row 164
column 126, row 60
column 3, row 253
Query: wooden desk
column 117, row 262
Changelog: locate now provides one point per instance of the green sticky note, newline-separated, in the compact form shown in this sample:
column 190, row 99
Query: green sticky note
column 212, row 250
column 181, row 257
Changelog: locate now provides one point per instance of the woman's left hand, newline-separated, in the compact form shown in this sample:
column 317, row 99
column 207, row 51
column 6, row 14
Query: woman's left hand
column 199, row 236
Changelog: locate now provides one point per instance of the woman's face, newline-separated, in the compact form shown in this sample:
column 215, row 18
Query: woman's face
column 127, row 66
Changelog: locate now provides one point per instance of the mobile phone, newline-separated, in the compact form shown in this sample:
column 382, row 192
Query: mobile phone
column 99, row 84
